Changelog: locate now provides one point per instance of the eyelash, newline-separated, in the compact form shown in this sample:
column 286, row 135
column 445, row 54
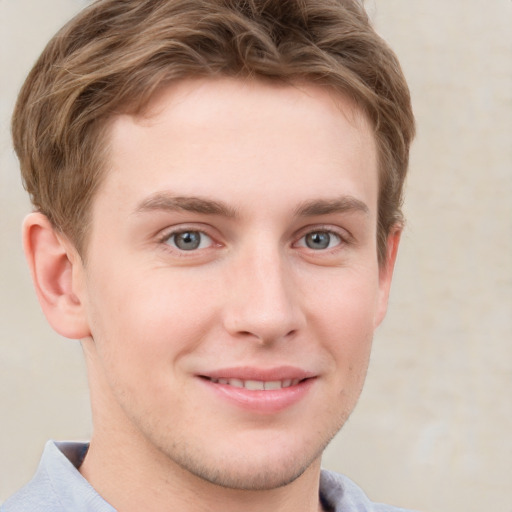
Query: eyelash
column 343, row 239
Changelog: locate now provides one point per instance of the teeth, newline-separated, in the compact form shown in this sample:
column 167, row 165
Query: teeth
column 257, row 385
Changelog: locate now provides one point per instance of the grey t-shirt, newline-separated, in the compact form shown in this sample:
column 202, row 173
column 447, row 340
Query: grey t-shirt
column 58, row 486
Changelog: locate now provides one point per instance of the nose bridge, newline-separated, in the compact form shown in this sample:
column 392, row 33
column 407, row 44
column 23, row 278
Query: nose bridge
column 263, row 302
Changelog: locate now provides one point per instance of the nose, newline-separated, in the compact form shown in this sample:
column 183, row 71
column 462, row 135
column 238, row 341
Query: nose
column 263, row 299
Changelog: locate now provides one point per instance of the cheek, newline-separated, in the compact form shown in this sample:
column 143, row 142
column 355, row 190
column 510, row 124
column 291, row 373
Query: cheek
column 344, row 314
column 141, row 320
column 347, row 301
column 139, row 332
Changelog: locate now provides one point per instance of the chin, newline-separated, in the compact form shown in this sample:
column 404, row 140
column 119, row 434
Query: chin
column 250, row 475
column 253, row 465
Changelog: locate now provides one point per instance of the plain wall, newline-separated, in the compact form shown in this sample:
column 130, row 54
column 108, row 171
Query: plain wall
column 433, row 429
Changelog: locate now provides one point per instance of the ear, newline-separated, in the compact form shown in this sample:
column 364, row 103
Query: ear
column 386, row 273
column 57, row 273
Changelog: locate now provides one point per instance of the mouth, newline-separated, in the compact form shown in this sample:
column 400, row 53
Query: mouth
column 269, row 395
column 260, row 391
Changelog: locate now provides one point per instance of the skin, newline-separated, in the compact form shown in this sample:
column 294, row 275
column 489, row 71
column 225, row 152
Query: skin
column 278, row 185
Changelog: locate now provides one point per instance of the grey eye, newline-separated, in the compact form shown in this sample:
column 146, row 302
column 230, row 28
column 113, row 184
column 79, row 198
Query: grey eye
column 319, row 240
column 189, row 240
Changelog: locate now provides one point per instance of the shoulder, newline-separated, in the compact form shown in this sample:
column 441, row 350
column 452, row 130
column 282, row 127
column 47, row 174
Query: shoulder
column 36, row 496
column 339, row 493
column 57, row 485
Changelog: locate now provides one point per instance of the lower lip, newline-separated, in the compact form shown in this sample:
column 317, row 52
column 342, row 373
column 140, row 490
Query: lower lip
column 259, row 401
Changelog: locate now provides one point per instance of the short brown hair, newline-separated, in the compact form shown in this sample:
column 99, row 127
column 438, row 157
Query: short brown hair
column 115, row 54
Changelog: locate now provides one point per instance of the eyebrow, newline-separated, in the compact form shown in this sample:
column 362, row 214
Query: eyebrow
column 168, row 202
column 327, row 206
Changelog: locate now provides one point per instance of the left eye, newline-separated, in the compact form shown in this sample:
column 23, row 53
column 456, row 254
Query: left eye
column 320, row 240
column 189, row 240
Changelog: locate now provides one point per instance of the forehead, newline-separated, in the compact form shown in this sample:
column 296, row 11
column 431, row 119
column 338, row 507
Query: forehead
column 250, row 104
column 236, row 136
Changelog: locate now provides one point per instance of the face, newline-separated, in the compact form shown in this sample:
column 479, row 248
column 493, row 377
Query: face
column 231, row 285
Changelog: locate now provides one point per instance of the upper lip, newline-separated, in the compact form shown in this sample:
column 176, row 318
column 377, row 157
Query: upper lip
column 259, row 374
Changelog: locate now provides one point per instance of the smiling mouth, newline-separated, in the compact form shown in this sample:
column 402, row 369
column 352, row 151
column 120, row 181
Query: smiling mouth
column 257, row 385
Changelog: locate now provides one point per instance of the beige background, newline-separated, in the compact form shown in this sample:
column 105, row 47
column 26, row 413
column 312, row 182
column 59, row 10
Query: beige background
column 433, row 430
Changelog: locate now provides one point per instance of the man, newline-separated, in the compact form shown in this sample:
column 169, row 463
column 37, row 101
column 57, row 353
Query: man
column 217, row 189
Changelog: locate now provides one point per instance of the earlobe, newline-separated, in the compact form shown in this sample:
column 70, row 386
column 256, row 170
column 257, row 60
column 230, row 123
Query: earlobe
column 386, row 273
column 56, row 268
